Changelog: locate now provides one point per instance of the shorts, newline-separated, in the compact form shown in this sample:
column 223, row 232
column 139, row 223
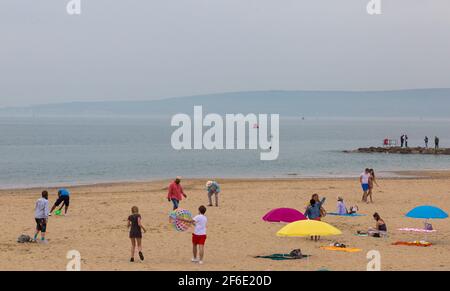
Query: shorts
column 41, row 224
column 65, row 199
column 198, row 239
column 365, row 187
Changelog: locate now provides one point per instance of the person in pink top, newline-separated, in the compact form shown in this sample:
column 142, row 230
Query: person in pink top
column 175, row 193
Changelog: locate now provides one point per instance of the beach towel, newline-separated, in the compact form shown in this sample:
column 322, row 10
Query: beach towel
column 416, row 230
column 414, row 243
column 347, row 250
column 281, row 257
column 350, row 215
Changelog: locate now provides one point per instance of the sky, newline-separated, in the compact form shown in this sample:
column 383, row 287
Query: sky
column 142, row 50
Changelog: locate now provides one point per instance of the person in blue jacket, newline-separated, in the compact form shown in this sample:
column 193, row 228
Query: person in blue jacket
column 63, row 197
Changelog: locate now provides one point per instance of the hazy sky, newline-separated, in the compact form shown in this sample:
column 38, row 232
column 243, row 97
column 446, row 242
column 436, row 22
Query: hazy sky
column 144, row 49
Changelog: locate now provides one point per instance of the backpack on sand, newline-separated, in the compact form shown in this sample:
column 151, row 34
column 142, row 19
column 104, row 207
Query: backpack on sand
column 297, row 253
column 24, row 239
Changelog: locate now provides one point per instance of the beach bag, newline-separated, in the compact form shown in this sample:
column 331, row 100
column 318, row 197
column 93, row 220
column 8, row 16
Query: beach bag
column 339, row 245
column 428, row 226
column 297, row 253
column 24, row 239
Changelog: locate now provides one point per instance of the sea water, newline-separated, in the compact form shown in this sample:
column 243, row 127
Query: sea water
column 54, row 151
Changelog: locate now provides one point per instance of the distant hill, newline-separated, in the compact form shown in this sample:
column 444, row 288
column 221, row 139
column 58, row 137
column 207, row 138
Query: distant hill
column 400, row 103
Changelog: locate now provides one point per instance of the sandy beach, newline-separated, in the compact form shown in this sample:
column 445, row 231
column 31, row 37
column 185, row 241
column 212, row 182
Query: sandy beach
column 96, row 226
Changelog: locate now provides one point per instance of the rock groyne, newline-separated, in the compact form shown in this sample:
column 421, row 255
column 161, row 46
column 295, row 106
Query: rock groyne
column 400, row 150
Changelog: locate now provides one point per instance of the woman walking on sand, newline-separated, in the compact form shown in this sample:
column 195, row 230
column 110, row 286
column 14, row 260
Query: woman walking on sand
column 372, row 181
column 136, row 228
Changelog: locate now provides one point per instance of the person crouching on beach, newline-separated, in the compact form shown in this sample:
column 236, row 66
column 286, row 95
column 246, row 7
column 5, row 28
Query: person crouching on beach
column 313, row 213
column 176, row 193
column 136, row 228
column 213, row 188
column 199, row 235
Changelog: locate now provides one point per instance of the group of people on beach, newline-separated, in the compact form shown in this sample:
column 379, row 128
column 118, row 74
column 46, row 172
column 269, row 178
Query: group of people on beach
column 175, row 195
column 134, row 221
column 313, row 211
column 42, row 212
column 367, row 180
column 316, row 211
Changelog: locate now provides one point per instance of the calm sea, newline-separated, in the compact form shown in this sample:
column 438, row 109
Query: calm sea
column 69, row 151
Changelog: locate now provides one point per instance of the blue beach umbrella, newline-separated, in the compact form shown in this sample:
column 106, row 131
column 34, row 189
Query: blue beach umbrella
column 427, row 212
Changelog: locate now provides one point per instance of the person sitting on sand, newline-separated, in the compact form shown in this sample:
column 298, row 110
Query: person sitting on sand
column 41, row 216
column 63, row 197
column 176, row 193
column 313, row 213
column 342, row 209
column 213, row 188
column 380, row 227
column 136, row 228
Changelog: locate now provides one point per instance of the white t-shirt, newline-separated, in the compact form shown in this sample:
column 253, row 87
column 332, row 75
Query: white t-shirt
column 200, row 224
column 365, row 178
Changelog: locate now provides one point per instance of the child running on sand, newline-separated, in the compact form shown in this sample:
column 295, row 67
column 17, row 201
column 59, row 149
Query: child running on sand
column 199, row 235
column 135, row 226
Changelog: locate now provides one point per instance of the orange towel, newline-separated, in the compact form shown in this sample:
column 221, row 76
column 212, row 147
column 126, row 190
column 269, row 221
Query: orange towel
column 347, row 250
column 416, row 244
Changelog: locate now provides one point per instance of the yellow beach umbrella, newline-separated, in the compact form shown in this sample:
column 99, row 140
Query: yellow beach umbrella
column 308, row 228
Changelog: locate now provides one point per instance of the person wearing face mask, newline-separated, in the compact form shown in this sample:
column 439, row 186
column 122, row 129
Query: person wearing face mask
column 176, row 193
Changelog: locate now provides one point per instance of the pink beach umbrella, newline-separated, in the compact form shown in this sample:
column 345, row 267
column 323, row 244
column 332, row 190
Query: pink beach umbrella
column 283, row 215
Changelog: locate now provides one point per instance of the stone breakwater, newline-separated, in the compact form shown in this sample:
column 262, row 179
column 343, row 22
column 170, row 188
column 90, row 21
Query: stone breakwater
column 399, row 150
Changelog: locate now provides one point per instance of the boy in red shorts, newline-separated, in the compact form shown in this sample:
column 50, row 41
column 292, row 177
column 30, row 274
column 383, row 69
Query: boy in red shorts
column 199, row 235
